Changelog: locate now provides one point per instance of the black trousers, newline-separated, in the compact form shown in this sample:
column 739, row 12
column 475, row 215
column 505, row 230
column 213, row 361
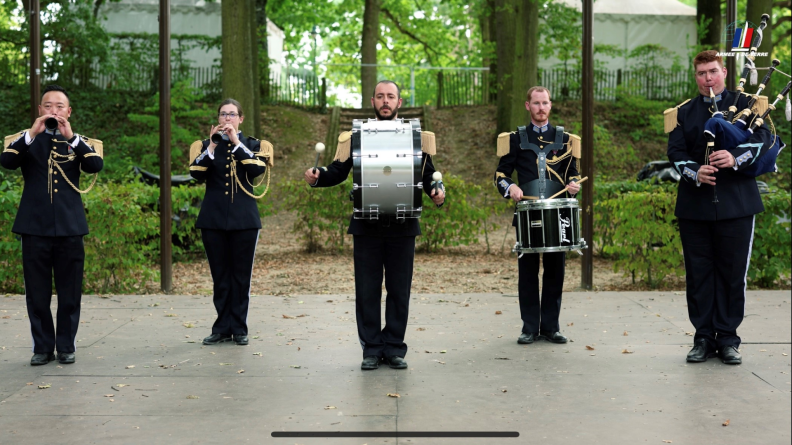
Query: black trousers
column 230, row 254
column 43, row 257
column 717, row 255
column 394, row 256
column 542, row 317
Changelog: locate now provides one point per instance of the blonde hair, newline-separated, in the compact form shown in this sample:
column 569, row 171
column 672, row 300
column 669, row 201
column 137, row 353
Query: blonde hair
column 539, row 89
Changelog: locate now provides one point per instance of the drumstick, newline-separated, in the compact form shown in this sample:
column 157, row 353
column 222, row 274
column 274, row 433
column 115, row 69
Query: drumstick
column 437, row 177
column 567, row 188
column 320, row 147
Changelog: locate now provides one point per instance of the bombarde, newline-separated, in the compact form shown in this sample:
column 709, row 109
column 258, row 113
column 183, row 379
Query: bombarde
column 760, row 120
column 746, row 113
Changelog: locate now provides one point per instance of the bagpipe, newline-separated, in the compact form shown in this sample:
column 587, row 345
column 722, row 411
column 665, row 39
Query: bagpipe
column 733, row 129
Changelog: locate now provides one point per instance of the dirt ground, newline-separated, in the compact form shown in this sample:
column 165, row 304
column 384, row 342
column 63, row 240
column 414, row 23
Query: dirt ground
column 283, row 268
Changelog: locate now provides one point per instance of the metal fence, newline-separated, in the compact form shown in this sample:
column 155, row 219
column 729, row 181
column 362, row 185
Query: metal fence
column 296, row 87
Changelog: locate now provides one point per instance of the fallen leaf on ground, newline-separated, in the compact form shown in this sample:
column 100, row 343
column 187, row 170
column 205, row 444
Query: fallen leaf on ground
column 295, row 366
column 302, row 315
column 763, row 350
column 226, row 364
column 192, row 397
column 393, row 394
column 241, row 371
column 784, row 354
column 443, row 351
column 130, row 366
column 624, row 351
column 288, row 316
column 121, row 385
column 498, row 312
column 571, row 324
column 625, row 334
column 421, row 329
column 727, row 422
column 330, row 407
column 44, row 386
column 171, row 315
column 109, row 395
column 258, row 354
column 254, row 337
column 503, row 390
column 590, row 348
column 188, row 325
column 666, row 441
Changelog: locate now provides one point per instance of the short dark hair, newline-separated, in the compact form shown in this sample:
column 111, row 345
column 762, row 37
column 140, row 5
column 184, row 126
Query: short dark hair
column 398, row 90
column 707, row 57
column 54, row 87
column 231, row 102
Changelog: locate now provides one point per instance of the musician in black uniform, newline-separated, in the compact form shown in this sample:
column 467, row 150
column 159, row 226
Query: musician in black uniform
column 229, row 218
column 540, row 319
column 716, row 237
column 386, row 243
column 51, row 222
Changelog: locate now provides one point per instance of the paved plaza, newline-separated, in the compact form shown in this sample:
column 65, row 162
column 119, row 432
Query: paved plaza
column 143, row 376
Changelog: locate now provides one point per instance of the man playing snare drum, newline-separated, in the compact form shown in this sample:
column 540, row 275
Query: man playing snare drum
column 385, row 244
column 540, row 319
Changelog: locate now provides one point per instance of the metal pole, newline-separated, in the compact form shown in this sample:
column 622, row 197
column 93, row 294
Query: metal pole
column 731, row 62
column 166, row 252
column 587, row 167
column 35, row 58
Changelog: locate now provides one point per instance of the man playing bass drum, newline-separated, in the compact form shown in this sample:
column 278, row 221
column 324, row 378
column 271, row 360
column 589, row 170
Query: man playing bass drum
column 540, row 319
column 385, row 244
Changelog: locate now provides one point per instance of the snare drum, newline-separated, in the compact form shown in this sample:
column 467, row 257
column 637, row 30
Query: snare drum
column 548, row 225
column 386, row 171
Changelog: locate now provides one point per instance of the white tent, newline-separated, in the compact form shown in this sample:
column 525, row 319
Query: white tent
column 632, row 23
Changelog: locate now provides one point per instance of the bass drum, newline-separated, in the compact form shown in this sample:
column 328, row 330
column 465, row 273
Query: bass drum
column 387, row 179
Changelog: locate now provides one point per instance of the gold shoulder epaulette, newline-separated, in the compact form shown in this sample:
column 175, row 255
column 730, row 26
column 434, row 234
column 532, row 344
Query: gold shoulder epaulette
column 344, row 144
column 195, row 150
column 574, row 145
column 428, row 144
column 670, row 117
column 12, row 137
column 96, row 144
column 503, row 144
column 266, row 151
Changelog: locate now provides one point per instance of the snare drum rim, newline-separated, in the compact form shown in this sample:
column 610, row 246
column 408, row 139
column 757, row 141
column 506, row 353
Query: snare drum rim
column 541, row 204
column 580, row 246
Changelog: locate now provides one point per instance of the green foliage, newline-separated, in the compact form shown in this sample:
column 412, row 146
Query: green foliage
column 322, row 213
column 771, row 256
column 642, row 116
column 141, row 143
column 613, row 158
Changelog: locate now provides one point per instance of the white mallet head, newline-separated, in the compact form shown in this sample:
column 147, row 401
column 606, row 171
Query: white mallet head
column 320, row 147
column 437, row 176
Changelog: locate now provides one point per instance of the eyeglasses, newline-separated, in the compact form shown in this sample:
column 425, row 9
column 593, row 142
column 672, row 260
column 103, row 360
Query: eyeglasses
column 231, row 115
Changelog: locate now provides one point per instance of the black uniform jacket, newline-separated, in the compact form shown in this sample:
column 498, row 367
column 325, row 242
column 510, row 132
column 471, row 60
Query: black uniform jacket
column 387, row 226
column 738, row 194
column 61, row 213
column 525, row 161
column 225, row 206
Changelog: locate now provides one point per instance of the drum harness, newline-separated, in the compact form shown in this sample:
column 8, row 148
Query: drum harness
column 541, row 154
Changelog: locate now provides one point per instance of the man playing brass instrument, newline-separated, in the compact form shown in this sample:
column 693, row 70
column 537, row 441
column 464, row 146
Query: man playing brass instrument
column 51, row 221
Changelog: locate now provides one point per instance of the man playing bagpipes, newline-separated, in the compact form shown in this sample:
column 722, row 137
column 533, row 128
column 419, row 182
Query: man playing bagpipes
column 716, row 205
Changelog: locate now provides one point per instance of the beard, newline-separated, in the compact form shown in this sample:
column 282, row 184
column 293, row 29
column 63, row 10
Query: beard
column 540, row 117
column 386, row 118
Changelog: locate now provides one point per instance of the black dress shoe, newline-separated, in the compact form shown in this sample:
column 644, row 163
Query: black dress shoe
column 701, row 351
column 397, row 362
column 370, row 362
column 216, row 338
column 241, row 340
column 526, row 339
column 65, row 358
column 554, row 337
column 42, row 359
column 730, row 356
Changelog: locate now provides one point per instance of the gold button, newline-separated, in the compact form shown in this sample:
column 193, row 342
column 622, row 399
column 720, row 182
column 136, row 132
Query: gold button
column 227, row 166
column 56, row 181
column 226, row 192
column 226, row 175
column 229, row 158
column 56, row 190
column 226, row 183
column 541, row 146
column 54, row 173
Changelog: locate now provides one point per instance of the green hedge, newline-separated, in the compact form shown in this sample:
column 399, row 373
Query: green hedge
column 634, row 224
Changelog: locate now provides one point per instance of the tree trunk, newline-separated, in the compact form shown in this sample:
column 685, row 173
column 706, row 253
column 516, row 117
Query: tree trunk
column 237, row 58
column 710, row 9
column 505, row 42
column 485, row 20
column 753, row 13
column 263, row 55
column 526, row 59
column 368, row 51
column 254, row 54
